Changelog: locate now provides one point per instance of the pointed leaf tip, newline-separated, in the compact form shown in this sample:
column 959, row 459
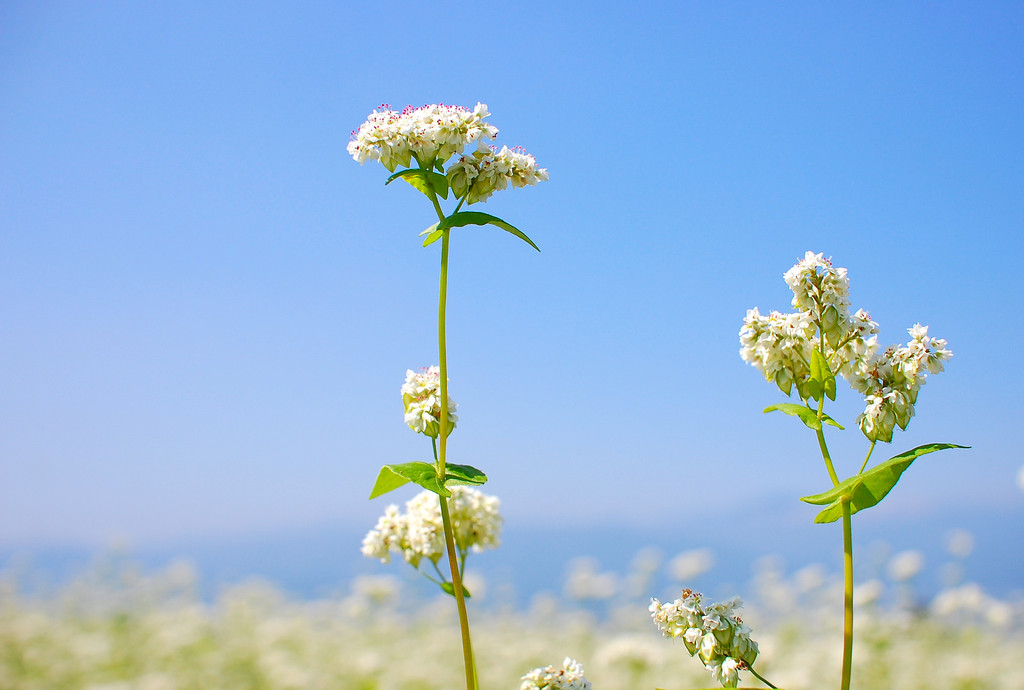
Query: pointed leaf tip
column 423, row 474
column 464, row 218
column 867, row 489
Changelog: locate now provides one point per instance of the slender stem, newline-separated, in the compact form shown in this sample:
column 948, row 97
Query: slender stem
column 460, row 599
column 847, row 595
column 870, row 451
column 760, row 677
column 442, row 355
column 438, row 570
column 828, row 458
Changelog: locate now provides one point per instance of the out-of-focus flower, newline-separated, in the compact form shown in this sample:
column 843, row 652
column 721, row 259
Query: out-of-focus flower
column 419, row 532
column 568, row 677
column 714, row 632
column 421, row 395
column 388, row 535
column 905, row 565
column 959, row 543
column 586, row 582
column 690, row 564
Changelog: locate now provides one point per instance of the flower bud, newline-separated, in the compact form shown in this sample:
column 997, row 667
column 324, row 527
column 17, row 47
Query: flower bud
column 708, row 647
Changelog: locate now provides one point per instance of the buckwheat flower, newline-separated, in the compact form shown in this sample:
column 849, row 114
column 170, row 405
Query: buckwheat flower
column 718, row 616
column 430, row 134
column 926, row 352
column 488, row 170
column 725, row 670
column 390, row 534
column 779, row 346
column 890, row 380
column 426, row 530
column 855, row 345
column 905, row 565
column 475, row 519
column 817, row 285
column 418, row 533
column 421, row 395
column 568, row 677
column 677, row 617
column 714, row 633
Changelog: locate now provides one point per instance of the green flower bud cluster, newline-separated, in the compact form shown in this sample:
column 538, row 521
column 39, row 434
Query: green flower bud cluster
column 714, row 633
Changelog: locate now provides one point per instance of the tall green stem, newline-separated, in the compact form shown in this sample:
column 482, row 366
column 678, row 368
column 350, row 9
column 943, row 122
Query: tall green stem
column 442, row 356
column 449, row 535
column 847, row 596
column 847, row 561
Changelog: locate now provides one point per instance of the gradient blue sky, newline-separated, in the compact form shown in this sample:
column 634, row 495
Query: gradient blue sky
column 207, row 308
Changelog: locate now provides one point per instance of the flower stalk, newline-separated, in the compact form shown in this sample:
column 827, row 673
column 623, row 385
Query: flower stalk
column 449, row 537
column 428, row 137
column 805, row 351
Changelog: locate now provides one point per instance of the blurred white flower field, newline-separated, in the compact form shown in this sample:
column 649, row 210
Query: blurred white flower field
column 116, row 628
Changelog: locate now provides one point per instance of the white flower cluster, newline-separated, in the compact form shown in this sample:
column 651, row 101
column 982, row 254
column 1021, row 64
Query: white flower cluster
column 890, row 380
column 489, row 170
column 780, row 347
column 715, row 633
column 421, row 395
column 569, row 677
column 432, row 133
column 418, row 533
column 817, row 285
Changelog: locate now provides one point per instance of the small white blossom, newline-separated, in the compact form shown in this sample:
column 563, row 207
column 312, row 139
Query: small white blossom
column 906, row 565
column 781, row 347
column 715, row 633
column 568, row 677
column 725, row 670
column 816, row 285
column 421, row 395
column 432, row 133
column 389, row 534
column 418, row 533
column 488, row 170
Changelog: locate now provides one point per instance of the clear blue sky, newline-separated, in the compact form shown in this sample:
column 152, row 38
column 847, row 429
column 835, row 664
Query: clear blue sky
column 207, row 308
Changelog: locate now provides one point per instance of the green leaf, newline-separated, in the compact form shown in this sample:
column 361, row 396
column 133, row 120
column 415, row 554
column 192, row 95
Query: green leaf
column 427, row 181
column 450, row 588
column 434, row 235
column 463, row 474
column 440, row 184
column 867, row 489
column 823, row 377
column 464, row 218
column 422, row 473
column 808, row 416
